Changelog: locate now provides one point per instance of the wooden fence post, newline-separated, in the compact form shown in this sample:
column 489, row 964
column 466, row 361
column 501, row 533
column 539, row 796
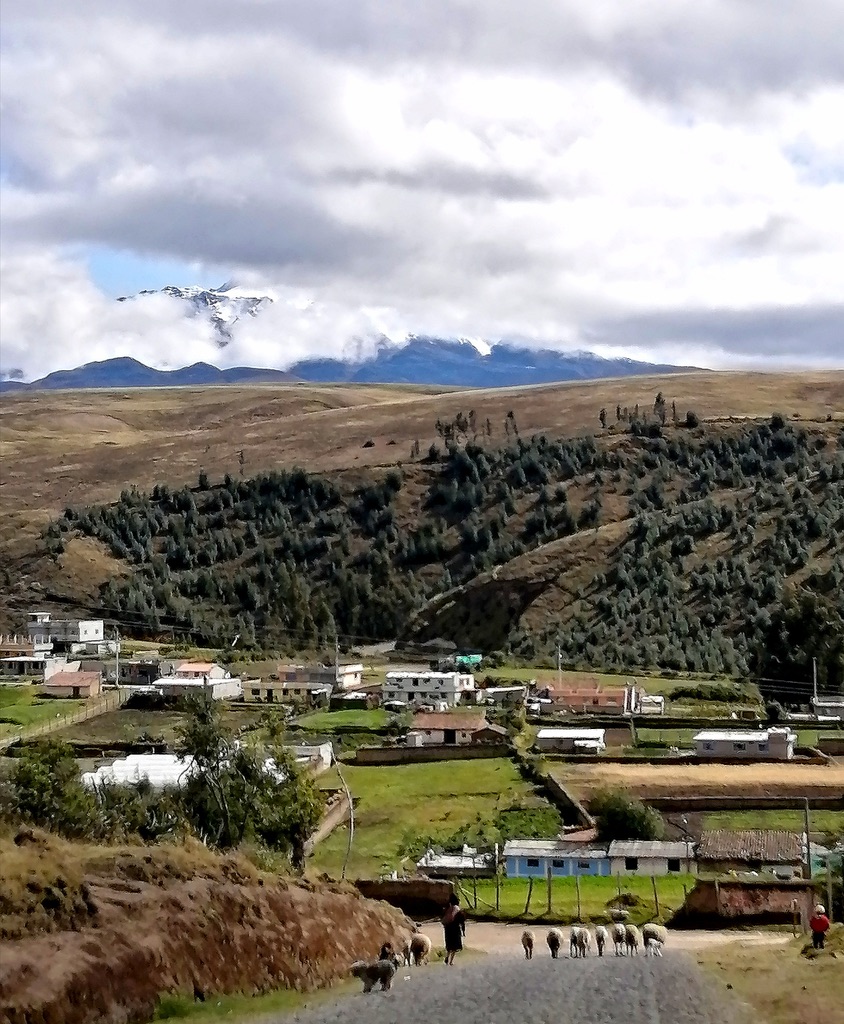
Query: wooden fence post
column 656, row 895
column 548, row 883
column 497, row 887
column 530, row 893
column 577, row 887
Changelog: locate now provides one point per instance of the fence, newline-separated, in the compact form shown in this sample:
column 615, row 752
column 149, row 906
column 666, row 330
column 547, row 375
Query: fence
column 96, row 706
column 419, row 755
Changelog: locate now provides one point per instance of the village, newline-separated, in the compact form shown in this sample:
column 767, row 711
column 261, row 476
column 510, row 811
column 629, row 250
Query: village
column 568, row 737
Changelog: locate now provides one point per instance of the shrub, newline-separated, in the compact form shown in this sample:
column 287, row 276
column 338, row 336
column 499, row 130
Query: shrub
column 622, row 817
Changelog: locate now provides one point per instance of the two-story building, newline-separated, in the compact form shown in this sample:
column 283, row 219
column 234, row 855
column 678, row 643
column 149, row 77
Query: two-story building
column 746, row 744
column 425, row 687
column 73, row 636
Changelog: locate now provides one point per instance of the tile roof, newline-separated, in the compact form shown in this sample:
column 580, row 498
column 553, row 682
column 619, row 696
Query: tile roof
column 71, row 679
column 465, row 721
column 768, row 846
column 196, row 666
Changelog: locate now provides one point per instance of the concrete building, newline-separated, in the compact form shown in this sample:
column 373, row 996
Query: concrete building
column 72, row 684
column 318, row 757
column 775, row 852
column 227, row 688
column 650, row 704
column 451, row 688
column 274, row 691
column 747, row 744
column 305, row 677
column 571, row 741
column 73, row 635
column 644, row 857
column 534, row 858
column 590, row 699
column 199, row 670
column 828, row 707
column 504, row 696
column 433, row 728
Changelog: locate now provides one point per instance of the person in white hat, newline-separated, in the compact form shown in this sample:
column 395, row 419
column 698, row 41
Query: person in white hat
column 819, row 924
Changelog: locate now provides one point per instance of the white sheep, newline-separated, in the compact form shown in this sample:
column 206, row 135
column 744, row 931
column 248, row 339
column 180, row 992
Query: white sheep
column 653, row 947
column 554, row 938
column 654, row 931
column 420, row 949
column 602, row 937
column 528, row 939
column 619, row 938
column 632, row 939
column 579, row 940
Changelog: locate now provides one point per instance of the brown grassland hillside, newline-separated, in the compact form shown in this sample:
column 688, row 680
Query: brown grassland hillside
column 529, row 518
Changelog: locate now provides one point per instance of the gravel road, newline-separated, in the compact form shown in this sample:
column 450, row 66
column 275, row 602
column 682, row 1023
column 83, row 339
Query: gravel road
column 505, row 990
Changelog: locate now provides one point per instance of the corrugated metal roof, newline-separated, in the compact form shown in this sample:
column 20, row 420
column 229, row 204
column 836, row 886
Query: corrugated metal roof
column 768, row 846
column 651, row 848
column 741, row 735
column 571, row 734
column 553, row 848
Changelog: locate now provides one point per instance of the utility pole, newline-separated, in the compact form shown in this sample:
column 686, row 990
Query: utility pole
column 336, row 660
column 117, row 657
column 814, row 683
column 559, row 664
column 351, row 811
column 807, row 869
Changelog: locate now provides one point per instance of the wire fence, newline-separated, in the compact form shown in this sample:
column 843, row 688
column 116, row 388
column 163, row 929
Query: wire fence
column 94, row 707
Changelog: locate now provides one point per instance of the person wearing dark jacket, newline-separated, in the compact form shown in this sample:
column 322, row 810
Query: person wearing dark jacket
column 454, row 927
column 819, row 923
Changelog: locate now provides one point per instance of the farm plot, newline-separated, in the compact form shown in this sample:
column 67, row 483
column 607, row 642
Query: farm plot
column 652, row 780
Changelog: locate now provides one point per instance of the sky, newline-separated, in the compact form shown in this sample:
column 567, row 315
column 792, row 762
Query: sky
column 634, row 177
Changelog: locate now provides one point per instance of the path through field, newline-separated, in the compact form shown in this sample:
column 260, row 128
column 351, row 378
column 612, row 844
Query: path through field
column 500, row 989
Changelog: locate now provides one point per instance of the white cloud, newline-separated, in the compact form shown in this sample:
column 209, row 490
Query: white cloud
column 476, row 169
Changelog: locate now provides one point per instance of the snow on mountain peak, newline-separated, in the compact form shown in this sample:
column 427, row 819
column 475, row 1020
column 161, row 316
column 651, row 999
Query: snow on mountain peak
column 223, row 306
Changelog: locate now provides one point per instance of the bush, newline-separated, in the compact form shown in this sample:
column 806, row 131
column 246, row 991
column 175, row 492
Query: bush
column 692, row 420
column 621, row 817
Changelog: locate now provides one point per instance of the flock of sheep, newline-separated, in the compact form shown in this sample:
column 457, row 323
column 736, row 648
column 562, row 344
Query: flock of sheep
column 626, row 940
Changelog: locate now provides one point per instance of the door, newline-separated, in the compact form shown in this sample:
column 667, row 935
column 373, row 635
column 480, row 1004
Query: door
column 449, row 736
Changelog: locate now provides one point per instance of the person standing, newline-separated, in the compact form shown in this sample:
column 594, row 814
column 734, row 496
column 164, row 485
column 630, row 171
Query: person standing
column 454, row 927
column 819, row 923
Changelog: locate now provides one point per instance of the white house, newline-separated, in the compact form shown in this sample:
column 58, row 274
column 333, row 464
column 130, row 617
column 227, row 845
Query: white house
column 651, row 857
column 650, row 704
column 571, row 741
column 452, row 688
column 760, row 744
column 299, row 680
column 505, row 695
column 227, row 688
column 199, row 670
column 72, row 634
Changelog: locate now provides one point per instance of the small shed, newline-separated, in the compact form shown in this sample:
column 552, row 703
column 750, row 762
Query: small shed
column 766, row 850
column 72, row 684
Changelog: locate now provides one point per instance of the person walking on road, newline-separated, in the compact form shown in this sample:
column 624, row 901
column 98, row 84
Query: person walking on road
column 819, row 923
column 454, row 927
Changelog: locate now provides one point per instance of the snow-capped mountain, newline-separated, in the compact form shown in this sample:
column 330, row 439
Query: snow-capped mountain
column 223, row 306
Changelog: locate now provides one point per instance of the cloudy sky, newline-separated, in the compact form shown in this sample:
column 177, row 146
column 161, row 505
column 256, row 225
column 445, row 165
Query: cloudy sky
column 659, row 179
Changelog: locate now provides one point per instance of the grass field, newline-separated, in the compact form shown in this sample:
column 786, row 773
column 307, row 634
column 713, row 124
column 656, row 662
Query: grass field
column 436, row 799
column 129, row 724
column 328, row 721
column 695, row 779
column 790, row 821
column 778, row 985
column 596, row 894
column 20, row 708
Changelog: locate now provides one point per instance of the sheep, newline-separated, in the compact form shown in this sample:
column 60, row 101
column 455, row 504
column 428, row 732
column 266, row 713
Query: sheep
column 405, row 953
column 632, row 938
column 653, row 947
column 528, row 939
column 579, row 940
column 601, row 938
column 420, row 949
column 554, row 938
column 371, row 972
column 654, row 931
column 619, row 938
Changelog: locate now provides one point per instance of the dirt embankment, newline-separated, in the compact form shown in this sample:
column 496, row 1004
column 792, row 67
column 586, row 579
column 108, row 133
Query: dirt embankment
column 101, row 945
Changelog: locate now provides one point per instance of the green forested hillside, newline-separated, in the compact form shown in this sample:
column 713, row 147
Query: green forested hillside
column 713, row 547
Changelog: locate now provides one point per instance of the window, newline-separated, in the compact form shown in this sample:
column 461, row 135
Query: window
column 558, row 863
column 631, row 863
column 739, row 746
column 763, row 747
column 256, row 693
column 584, row 865
column 533, row 862
column 673, row 863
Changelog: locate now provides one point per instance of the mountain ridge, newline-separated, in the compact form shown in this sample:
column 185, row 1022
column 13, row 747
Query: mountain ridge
column 422, row 360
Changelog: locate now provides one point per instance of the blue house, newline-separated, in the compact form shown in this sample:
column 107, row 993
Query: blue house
column 532, row 858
